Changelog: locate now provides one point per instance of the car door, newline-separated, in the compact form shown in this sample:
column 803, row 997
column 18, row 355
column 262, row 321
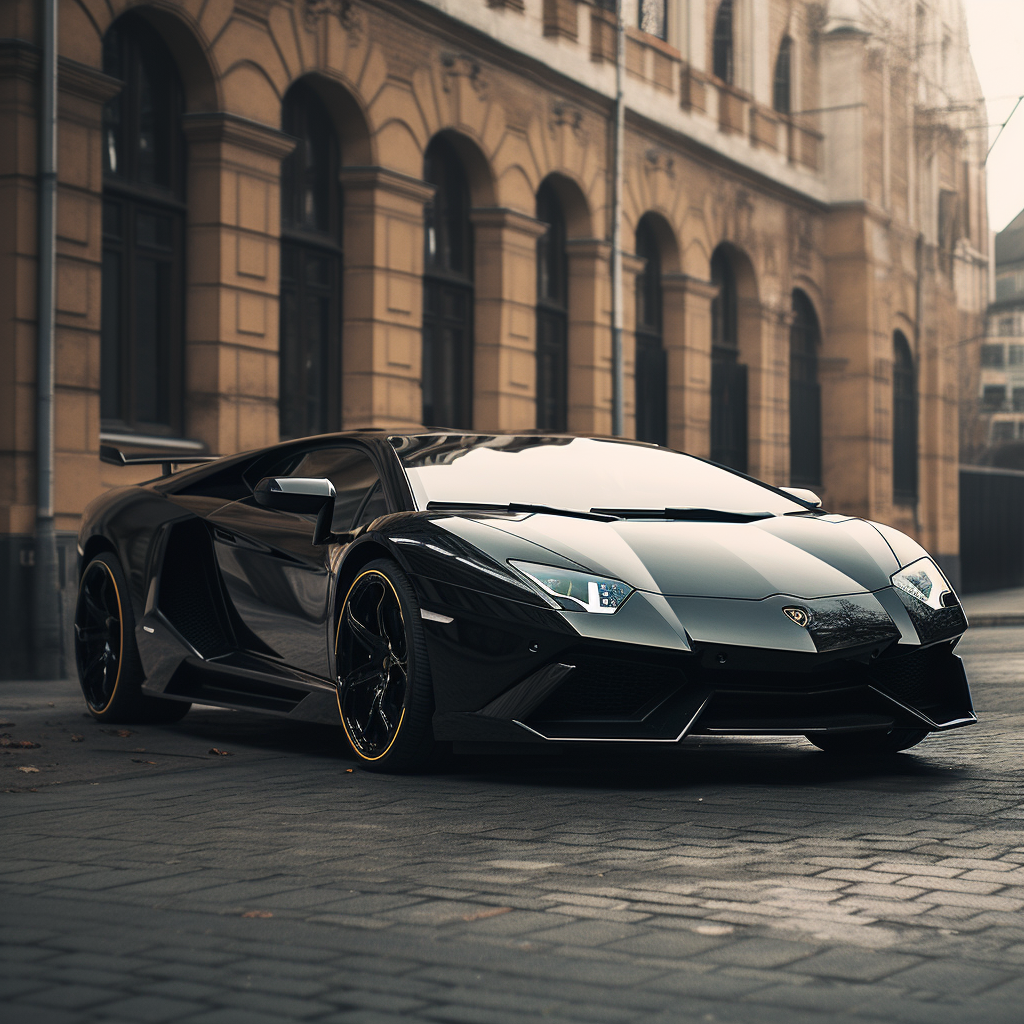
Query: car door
column 278, row 581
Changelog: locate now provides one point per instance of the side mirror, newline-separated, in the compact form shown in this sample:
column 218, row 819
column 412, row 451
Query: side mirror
column 804, row 494
column 311, row 496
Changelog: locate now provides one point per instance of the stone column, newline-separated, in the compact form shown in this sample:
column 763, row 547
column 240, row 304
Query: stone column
column 687, row 333
column 767, row 391
column 590, row 336
column 632, row 266
column 382, row 348
column 232, row 280
column 505, row 325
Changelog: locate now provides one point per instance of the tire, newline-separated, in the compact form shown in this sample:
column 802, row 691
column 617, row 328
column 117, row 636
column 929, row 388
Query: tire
column 878, row 742
column 385, row 694
column 106, row 654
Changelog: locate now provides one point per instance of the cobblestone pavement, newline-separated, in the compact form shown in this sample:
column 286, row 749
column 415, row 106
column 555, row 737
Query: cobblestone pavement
column 145, row 878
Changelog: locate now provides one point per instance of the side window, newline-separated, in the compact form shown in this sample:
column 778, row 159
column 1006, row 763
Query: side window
column 375, row 506
column 352, row 474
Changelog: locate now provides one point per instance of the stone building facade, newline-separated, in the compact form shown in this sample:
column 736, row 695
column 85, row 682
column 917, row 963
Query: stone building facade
column 284, row 216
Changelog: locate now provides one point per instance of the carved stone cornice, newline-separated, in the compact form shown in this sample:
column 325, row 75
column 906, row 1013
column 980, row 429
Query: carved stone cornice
column 689, row 285
column 385, row 180
column 217, row 126
column 512, row 220
column 85, row 82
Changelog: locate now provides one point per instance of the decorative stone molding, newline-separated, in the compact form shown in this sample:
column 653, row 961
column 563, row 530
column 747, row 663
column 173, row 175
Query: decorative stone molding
column 602, row 35
column 564, row 114
column 386, row 180
column 692, row 88
column 459, row 65
column 510, row 5
column 240, row 131
column 660, row 160
column 344, row 10
column 85, row 82
column 503, row 217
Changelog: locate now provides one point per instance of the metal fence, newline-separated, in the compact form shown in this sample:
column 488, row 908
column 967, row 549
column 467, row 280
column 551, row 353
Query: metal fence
column 991, row 528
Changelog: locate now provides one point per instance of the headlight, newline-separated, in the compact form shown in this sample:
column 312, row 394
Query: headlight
column 924, row 580
column 576, row 591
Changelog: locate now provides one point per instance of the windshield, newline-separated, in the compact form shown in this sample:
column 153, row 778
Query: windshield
column 575, row 473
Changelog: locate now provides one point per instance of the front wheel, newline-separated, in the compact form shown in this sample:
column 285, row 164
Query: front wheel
column 890, row 741
column 385, row 694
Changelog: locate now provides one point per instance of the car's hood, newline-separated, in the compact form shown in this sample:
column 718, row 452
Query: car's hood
column 801, row 556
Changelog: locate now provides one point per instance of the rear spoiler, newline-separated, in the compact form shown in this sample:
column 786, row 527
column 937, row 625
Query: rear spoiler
column 168, row 462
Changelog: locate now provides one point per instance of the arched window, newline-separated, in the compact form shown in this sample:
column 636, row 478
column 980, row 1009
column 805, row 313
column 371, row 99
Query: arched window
column 904, row 422
column 722, row 43
column 552, row 314
column 651, row 364
column 447, row 292
column 311, row 270
column 143, row 290
column 653, row 18
column 728, row 374
column 783, row 83
column 804, row 395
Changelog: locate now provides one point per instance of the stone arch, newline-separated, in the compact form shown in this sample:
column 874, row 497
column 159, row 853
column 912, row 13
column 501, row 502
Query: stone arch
column 479, row 173
column 348, row 115
column 664, row 233
column 190, row 50
column 579, row 221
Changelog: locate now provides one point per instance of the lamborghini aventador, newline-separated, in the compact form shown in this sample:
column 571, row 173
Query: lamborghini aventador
column 490, row 592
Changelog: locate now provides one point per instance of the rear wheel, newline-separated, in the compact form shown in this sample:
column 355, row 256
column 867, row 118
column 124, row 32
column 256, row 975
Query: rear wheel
column 385, row 694
column 880, row 741
column 109, row 667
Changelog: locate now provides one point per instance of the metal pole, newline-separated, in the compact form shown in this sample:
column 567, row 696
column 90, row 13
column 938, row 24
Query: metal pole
column 46, row 618
column 618, row 361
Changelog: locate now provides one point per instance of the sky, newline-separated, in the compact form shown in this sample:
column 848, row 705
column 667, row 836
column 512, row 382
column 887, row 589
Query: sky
column 996, row 29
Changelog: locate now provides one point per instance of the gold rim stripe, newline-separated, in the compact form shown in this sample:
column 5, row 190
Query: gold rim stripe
column 337, row 637
column 120, row 653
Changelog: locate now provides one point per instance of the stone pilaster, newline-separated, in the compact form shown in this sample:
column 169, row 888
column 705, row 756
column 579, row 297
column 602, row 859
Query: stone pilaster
column 505, row 325
column 233, row 274
column 687, row 333
column 764, row 347
column 383, row 300
column 632, row 267
column 590, row 337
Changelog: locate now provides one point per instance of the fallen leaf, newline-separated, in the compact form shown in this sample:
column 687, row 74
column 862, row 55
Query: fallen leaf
column 21, row 744
column 50, row 704
column 75, row 738
column 493, row 912
column 257, row 913
column 138, row 750
column 348, row 771
column 27, row 768
column 123, row 733
column 138, row 760
column 221, row 753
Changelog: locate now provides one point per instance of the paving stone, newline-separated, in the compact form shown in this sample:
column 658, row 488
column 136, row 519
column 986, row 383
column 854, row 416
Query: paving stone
column 151, row 1008
column 759, row 953
column 853, row 964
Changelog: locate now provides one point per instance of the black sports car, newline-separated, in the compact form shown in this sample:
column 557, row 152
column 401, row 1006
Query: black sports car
column 500, row 592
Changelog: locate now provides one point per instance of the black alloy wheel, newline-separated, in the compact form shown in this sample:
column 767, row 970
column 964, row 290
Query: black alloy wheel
column 384, row 692
column 106, row 654
column 98, row 644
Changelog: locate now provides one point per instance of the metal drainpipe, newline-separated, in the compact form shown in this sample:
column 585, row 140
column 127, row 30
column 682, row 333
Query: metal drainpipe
column 46, row 618
column 618, row 359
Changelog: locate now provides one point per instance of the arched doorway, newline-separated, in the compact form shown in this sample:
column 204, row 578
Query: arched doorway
column 904, row 422
column 311, row 269
column 804, row 394
column 143, row 277
column 728, row 374
column 552, row 313
column 651, row 363
column 447, row 291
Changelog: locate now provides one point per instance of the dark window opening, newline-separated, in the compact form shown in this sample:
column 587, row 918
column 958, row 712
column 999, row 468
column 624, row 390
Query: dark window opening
column 722, row 43
column 651, row 362
column 782, row 85
column 447, row 292
column 904, row 422
column 993, row 397
column 992, row 355
column 552, row 314
column 309, row 399
column 728, row 374
column 804, row 395
column 653, row 18
column 143, row 292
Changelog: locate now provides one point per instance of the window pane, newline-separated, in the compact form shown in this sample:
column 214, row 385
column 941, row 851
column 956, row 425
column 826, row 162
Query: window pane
column 652, row 17
column 110, row 338
column 152, row 307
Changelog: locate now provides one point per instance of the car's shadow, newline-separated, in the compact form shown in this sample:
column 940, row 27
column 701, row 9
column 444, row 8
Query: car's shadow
column 699, row 761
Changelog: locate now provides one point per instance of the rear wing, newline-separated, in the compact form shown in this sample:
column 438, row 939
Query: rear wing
column 167, row 462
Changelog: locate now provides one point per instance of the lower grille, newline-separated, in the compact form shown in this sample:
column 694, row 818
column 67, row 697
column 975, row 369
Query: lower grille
column 609, row 689
column 912, row 678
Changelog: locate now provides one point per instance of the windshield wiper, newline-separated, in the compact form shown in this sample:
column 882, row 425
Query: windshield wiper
column 693, row 515
column 516, row 506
